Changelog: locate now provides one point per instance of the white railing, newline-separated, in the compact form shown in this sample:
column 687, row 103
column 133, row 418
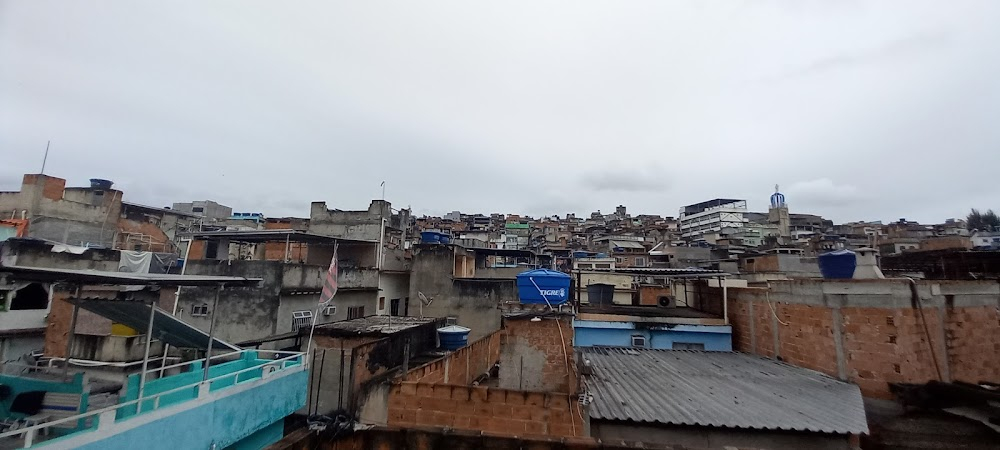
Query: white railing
column 107, row 416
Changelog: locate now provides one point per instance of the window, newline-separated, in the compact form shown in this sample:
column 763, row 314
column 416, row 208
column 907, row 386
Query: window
column 619, row 259
column 355, row 312
column 602, row 266
column 381, row 303
column 199, row 310
column 198, row 209
column 638, row 340
column 640, row 261
column 301, row 319
column 32, row 296
column 212, row 250
column 687, row 346
column 394, row 307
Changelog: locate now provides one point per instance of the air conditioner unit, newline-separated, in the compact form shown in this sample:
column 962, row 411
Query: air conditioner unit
column 329, row 311
column 666, row 301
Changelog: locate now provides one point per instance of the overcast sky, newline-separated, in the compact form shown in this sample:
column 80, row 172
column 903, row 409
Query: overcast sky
column 860, row 110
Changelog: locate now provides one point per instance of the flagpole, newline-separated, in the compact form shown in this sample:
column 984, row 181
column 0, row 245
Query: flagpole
column 333, row 272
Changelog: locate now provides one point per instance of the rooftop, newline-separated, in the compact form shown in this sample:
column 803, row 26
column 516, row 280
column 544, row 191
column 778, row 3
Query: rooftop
column 665, row 271
column 718, row 389
column 251, row 236
column 372, row 325
column 95, row 277
column 699, row 207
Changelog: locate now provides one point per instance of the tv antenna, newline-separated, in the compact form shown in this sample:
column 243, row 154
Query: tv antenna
column 46, row 157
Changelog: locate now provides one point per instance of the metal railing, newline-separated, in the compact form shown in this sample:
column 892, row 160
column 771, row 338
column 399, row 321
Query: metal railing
column 105, row 415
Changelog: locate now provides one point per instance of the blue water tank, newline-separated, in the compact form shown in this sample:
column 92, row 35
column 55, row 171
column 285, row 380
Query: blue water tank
column 601, row 255
column 444, row 238
column 838, row 265
column 453, row 337
column 100, row 183
column 430, row 237
column 580, row 254
column 554, row 285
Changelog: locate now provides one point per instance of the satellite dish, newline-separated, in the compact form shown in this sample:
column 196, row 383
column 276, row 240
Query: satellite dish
column 423, row 299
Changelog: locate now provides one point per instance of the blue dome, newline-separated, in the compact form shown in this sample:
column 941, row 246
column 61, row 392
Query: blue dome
column 777, row 200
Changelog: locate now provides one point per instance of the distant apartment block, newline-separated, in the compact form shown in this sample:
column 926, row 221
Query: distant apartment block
column 711, row 216
column 205, row 208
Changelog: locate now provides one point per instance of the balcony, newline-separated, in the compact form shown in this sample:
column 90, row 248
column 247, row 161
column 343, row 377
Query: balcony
column 242, row 401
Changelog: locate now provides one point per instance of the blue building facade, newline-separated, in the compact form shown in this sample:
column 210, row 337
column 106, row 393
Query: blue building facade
column 591, row 333
column 241, row 406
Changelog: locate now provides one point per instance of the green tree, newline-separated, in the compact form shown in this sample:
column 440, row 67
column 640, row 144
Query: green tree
column 987, row 221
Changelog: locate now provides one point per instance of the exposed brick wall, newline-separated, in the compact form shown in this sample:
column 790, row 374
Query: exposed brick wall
column 650, row 295
column 197, row 251
column 974, row 342
column 807, row 337
column 882, row 339
column 558, row 373
column 461, row 366
column 478, row 408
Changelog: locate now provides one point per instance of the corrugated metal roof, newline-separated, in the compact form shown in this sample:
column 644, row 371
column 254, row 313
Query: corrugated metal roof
column 718, row 389
column 166, row 328
column 627, row 244
column 89, row 276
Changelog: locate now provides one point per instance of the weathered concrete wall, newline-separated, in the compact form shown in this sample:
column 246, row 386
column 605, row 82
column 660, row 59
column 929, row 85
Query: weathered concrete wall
column 343, row 370
column 32, row 253
column 474, row 302
column 394, row 286
column 243, row 313
column 498, row 272
column 364, row 225
column 538, row 356
column 718, row 438
column 869, row 332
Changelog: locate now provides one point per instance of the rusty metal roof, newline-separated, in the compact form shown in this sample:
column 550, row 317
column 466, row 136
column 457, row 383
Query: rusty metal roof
column 718, row 389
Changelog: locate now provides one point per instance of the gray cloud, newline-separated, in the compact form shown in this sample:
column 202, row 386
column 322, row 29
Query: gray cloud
column 534, row 108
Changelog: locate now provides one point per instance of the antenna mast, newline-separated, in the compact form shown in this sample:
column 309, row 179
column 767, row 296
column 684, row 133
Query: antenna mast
column 46, row 158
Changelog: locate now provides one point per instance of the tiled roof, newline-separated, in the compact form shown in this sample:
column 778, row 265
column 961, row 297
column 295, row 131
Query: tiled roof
column 718, row 389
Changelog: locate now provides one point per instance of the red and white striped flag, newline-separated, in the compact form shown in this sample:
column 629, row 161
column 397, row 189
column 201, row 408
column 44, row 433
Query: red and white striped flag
column 330, row 283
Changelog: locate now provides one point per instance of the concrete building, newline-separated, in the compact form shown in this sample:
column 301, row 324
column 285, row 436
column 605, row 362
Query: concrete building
column 712, row 215
column 989, row 240
column 207, row 209
column 85, row 216
column 649, row 308
column 151, row 229
column 288, row 297
column 468, row 284
column 778, row 264
column 628, row 251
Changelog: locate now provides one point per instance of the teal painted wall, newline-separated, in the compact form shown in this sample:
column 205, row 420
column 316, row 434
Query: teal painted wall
column 262, row 438
column 223, row 422
column 27, row 384
column 192, row 375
